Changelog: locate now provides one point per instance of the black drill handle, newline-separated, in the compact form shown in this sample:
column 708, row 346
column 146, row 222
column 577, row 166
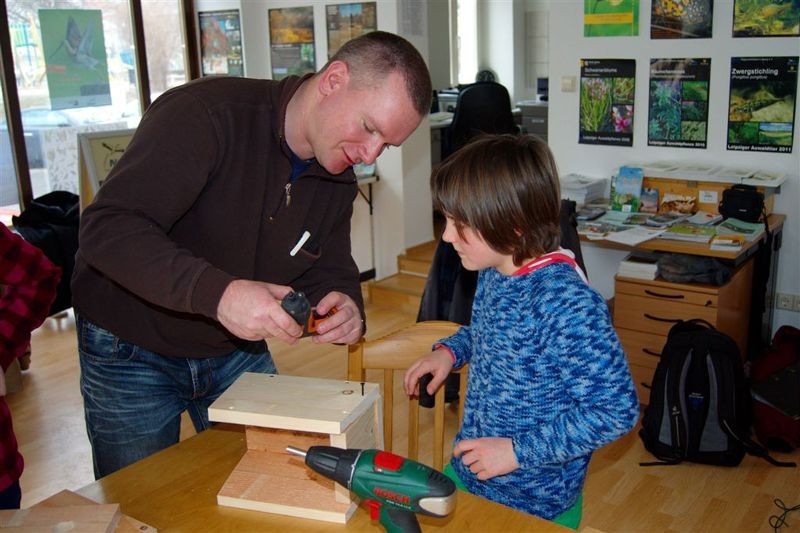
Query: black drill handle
column 396, row 520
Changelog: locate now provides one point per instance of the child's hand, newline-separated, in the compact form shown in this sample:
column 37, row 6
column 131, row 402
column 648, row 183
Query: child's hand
column 439, row 363
column 487, row 457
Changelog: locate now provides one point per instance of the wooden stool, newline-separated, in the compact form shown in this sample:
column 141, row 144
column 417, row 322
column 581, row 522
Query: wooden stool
column 280, row 411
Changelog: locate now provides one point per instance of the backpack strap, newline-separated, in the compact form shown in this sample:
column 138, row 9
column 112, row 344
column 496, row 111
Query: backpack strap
column 726, row 415
column 756, row 449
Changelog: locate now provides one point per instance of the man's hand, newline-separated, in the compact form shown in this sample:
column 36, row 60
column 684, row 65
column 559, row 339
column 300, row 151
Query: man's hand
column 439, row 363
column 252, row 310
column 345, row 326
column 487, row 457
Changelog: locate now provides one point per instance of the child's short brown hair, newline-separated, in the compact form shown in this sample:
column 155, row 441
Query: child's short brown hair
column 506, row 188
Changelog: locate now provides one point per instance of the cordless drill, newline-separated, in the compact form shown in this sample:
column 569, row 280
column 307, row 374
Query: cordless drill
column 394, row 488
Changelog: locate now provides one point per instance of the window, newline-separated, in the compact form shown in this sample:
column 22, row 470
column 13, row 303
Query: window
column 75, row 69
column 467, row 40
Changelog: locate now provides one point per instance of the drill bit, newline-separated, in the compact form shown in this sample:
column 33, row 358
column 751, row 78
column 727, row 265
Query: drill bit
column 296, row 451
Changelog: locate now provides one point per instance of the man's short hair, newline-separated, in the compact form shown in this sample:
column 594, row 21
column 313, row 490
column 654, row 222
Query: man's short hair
column 506, row 188
column 373, row 56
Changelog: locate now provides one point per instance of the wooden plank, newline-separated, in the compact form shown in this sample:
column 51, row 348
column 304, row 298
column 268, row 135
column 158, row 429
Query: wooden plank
column 66, row 498
column 86, row 518
column 294, row 403
column 293, row 490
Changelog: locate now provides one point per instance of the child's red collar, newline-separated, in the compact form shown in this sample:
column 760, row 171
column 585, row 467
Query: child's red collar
column 561, row 255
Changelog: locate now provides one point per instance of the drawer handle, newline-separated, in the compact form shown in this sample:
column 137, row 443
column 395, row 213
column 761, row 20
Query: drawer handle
column 651, row 352
column 651, row 317
column 647, row 386
column 659, row 295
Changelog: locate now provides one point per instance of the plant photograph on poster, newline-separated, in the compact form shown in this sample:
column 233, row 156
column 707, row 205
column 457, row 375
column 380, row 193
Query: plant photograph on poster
column 606, row 101
column 678, row 102
column 681, row 19
column 762, row 103
column 766, row 18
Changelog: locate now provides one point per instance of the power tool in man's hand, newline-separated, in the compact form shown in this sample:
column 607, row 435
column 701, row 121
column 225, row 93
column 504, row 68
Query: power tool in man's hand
column 296, row 304
column 395, row 488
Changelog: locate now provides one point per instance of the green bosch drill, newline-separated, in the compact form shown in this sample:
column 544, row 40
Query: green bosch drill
column 394, row 488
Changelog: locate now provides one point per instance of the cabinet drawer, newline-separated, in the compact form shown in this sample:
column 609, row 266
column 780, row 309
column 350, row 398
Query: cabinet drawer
column 641, row 348
column 642, row 376
column 656, row 317
column 666, row 294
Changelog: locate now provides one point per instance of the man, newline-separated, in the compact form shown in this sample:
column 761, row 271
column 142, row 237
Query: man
column 232, row 193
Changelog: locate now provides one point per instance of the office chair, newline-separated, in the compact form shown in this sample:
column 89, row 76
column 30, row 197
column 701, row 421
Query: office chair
column 395, row 353
column 483, row 107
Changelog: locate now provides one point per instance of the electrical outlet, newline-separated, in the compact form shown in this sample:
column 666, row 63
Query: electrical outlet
column 784, row 301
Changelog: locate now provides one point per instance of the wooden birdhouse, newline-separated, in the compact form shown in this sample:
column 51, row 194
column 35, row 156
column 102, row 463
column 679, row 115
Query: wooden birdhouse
column 280, row 411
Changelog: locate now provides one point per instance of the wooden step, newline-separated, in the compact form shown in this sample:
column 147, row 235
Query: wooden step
column 413, row 266
column 417, row 259
column 400, row 291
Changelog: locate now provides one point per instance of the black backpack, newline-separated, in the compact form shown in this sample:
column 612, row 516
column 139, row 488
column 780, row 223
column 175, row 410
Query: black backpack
column 699, row 408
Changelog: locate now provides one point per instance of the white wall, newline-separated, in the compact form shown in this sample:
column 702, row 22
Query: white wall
column 402, row 207
column 567, row 46
column 439, row 43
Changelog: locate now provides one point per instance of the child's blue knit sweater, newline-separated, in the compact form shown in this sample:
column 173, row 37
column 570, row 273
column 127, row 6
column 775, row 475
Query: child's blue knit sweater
column 547, row 370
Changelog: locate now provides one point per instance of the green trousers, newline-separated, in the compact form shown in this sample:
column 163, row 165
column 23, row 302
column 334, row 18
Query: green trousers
column 570, row 518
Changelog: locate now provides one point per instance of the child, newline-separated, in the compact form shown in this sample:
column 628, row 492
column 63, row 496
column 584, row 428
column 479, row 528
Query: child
column 28, row 283
column 548, row 381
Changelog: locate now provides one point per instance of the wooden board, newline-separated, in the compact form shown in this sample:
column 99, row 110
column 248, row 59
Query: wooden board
column 294, row 403
column 92, row 518
column 66, row 498
column 282, row 484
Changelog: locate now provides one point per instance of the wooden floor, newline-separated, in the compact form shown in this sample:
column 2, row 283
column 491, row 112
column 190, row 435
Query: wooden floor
column 620, row 496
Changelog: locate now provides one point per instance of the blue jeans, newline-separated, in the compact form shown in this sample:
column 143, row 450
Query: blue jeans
column 133, row 398
column 11, row 497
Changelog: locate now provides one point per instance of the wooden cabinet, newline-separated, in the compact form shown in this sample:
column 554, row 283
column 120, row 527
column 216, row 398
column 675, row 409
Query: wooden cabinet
column 645, row 310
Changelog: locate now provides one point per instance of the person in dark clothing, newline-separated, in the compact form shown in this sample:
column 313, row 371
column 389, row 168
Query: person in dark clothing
column 232, row 193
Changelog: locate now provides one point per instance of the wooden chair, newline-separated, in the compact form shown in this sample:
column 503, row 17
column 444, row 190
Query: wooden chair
column 395, row 353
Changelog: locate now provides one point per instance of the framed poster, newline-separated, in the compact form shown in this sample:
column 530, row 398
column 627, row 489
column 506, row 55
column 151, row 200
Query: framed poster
column 606, row 101
column 347, row 21
column 678, row 110
column 684, row 19
column 291, row 41
column 602, row 18
column 766, row 18
column 75, row 56
column 98, row 152
column 221, row 43
column 763, row 96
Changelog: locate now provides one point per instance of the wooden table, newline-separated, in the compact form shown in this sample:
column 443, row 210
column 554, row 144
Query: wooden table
column 176, row 490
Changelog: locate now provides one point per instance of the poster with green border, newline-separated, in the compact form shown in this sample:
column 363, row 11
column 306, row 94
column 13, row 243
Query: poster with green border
column 763, row 96
column 606, row 101
column 291, row 41
column 610, row 18
column 75, row 57
column 678, row 109
column 766, row 18
column 221, row 43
